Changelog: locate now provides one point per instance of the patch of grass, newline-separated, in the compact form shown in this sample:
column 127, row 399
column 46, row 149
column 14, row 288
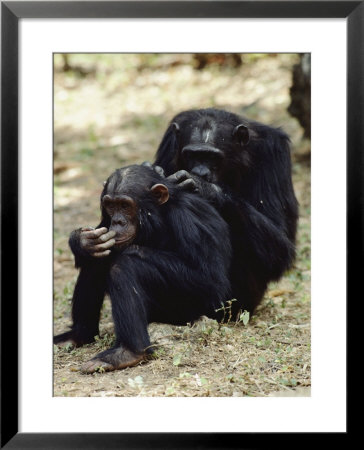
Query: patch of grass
column 104, row 342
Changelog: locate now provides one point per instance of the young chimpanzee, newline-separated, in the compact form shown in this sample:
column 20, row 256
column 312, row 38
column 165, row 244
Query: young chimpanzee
column 161, row 253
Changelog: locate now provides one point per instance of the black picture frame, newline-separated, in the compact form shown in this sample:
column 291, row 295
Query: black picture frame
column 11, row 13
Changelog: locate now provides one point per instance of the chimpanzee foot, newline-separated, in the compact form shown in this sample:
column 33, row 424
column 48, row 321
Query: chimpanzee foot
column 114, row 359
column 71, row 338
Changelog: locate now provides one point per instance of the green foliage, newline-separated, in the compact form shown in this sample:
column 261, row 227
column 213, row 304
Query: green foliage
column 185, row 375
column 136, row 382
column 170, row 390
column 68, row 289
column 105, row 341
column 244, row 317
column 292, row 382
column 177, row 359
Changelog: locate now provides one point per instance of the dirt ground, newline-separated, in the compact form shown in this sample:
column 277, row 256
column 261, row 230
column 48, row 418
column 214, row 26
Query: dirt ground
column 112, row 110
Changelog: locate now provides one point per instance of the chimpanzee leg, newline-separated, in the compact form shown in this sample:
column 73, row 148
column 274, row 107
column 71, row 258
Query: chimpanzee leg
column 138, row 286
column 130, row 308
column 130, row 304
column 87, row 300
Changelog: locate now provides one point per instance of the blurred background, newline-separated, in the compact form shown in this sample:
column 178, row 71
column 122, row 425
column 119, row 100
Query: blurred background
column 111, row 110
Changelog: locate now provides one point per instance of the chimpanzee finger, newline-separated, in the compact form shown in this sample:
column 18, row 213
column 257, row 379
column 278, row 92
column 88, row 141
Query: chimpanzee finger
column 189, row 185
column 216, row 187
column 159, row 170
column 182, row 175
column 104, row 246
column 179, row 176
column 105, row 237
column 101, row 254
column 93, row 234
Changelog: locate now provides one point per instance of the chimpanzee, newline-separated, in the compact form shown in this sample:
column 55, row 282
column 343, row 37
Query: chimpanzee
column 161, row 253
column 244, row 169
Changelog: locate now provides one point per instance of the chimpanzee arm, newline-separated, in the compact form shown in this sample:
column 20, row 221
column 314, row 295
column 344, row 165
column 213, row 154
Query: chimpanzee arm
column 268, row 244
column 253, row 231
column 90, row 287
column 87, row 300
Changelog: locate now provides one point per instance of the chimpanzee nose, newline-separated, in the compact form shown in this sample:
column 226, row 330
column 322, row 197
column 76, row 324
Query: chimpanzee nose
column 201, row 171
column 119, row 220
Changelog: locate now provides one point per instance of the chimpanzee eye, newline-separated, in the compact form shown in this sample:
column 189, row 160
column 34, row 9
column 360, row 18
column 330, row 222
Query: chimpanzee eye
column 125, row 206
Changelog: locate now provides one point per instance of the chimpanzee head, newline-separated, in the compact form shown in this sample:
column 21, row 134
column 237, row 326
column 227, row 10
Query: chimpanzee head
column 126, row 192
column 210, row 141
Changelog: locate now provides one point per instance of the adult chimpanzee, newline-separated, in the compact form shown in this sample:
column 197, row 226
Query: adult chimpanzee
column 160, row 252
column 244, row 169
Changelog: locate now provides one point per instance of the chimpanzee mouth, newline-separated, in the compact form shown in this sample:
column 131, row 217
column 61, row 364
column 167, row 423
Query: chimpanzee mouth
column 123, row 242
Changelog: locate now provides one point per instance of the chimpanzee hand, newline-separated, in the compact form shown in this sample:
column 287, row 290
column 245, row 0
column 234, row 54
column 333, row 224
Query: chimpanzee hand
column 185, row 181
column 193, row 183
column 97, row 242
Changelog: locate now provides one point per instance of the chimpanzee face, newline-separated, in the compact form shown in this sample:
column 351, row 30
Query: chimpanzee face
column 122, row 211
column 204, row 146
column 122, row 199
column 202, row 160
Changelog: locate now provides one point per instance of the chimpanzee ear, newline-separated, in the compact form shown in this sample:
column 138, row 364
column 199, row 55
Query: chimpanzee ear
column 161, row 193
column 175, row 127
column 241, row 134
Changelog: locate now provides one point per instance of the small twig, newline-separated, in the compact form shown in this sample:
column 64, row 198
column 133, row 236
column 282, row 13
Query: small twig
column 273, row 326
column 237, row 361
column 290, row 343
column 303, row 325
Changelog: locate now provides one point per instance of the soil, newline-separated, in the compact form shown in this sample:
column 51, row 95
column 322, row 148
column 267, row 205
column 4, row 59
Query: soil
column 112, row 110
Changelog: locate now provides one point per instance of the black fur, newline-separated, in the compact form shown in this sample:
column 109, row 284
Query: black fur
column 175, row 270
column 251, row 186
